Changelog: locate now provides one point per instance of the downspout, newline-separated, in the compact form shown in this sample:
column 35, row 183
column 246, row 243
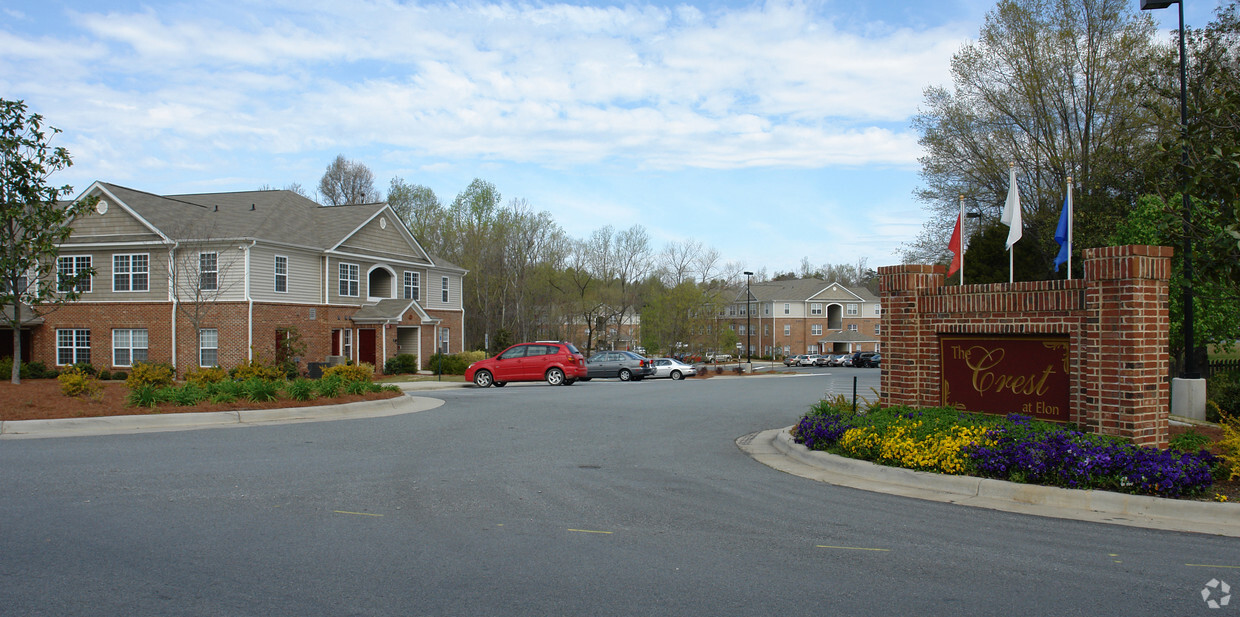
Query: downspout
column 172, row 295
column 250, row 301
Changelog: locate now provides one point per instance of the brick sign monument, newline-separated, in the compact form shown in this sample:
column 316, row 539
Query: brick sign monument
column 1092, row 351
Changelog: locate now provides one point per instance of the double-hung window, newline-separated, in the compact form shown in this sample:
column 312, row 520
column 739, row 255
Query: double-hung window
column 208, row 347
column 852, row 327
column 816, row 329
column 787, row 329
column 208, row 271
column 69, row 267
column 128, row 347
column 412, row 286
column 72, row 346
column 852, row 309
column 815, row 309
column 443, row 283
column 443, row 333
column 281, row 274
column 787, row 308
column 349, row 276
column 131, row 272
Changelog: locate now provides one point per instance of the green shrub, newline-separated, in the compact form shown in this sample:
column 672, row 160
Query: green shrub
column 453, row 364
column 254, row 369
column 142, row 396
column 158, row 374
column 329, row 387
column 104, row 375
column 86, row 368
column 1189, row 441
column 260, row 390
column 401, row 364
column 205, row 375
column 1224, row 390
column 356, row 387
column 119, row 376
column 351, row 372
column 188, row 394
column 300, row 389
column 77, row 382
column 29, row 370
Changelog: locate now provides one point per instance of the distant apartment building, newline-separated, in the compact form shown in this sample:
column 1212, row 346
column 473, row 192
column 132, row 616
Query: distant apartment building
column 804, row 316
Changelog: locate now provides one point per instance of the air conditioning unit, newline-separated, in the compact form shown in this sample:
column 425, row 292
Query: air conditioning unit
column 336, row 360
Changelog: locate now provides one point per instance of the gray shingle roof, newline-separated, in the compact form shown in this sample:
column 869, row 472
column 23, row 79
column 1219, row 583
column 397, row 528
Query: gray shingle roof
column 802, row 290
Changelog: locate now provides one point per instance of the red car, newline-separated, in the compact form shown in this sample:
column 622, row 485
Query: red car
column 557, row 362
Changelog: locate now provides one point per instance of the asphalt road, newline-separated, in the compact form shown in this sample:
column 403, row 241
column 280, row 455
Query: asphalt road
column 603, row 498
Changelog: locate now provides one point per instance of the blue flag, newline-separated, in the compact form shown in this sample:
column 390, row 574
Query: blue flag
column 1062, row 233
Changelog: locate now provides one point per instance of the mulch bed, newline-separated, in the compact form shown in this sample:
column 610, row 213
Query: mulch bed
column 41, row 399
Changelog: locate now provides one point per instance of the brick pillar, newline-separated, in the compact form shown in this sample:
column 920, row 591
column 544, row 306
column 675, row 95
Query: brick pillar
column 910, row 356
column 1125, row 377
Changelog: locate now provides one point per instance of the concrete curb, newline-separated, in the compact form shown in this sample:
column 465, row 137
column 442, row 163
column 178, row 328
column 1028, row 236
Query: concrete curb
column 151, row 423
column 775, row 448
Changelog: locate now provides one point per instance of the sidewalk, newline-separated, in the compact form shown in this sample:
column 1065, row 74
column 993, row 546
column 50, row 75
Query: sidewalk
column 776, row 449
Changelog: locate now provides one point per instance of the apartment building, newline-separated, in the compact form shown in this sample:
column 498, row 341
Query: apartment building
column 805, row 316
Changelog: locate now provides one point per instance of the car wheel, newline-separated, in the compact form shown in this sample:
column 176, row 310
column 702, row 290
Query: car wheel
column 625, row 374
column 483, row 379
column 500, row 384
column 555, row 376
column 676, row 376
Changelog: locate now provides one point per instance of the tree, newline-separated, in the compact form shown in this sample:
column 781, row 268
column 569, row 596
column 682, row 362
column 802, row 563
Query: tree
column 346, row 182
column 420, row 210
column 1057, row 87
column 200, row 271
column 33, row 223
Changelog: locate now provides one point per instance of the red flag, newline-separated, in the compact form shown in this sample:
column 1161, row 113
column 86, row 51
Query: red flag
column 954, row 246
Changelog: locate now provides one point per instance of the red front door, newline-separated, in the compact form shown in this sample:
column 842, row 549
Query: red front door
column 366, row 346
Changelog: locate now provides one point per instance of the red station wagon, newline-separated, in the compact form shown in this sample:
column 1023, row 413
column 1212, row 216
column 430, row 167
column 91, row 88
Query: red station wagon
column 557, row 362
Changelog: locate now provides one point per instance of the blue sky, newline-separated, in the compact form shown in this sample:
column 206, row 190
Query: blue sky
column 769, row 131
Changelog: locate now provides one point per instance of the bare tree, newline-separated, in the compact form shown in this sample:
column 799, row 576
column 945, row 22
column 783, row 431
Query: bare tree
column 347, row 182
column 200, row 270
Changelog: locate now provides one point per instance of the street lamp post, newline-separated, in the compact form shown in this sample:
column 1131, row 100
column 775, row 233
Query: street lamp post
column 748, row 326
column 1196, row 391
column 1190, row 356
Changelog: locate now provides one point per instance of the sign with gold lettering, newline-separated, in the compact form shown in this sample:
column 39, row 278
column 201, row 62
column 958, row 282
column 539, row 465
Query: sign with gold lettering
column 1001, row 375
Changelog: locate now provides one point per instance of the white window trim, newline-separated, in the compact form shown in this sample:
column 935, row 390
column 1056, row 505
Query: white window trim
column 75, row 346
column 443, row 281
column 202, row 347
column 275, row 270
column 74, row 261
column 815, row 308
column 130, row 346
column 131, row 272
column 852, row 309
column 787, row 308
column 815, row 329
column 356, row 271
column 787, row 329
column 416, row 287
column 214, row 272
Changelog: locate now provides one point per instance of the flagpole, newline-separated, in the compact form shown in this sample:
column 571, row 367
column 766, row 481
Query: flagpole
column 1070, row 217
column 1011, row 247
column 962, row 239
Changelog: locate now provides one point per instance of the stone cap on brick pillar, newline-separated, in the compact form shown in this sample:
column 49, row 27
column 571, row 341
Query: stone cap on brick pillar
column 1133, row 261
column 910, row 276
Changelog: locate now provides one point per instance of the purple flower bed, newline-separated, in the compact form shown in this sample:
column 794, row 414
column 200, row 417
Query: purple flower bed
column 1019, row 449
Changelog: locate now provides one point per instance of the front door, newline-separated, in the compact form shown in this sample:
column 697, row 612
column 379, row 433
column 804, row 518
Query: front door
column 366, row 346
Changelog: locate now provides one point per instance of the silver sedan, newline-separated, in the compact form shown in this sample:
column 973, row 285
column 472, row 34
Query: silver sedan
column 670, row 367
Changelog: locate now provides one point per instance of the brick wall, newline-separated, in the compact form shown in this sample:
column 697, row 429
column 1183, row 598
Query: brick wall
column 1116, row 318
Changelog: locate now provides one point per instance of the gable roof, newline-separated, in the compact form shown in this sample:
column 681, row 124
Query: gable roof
column 806, row 290
column 275, row 216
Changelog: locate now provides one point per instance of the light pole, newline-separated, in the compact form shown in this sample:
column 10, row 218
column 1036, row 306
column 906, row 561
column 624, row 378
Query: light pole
column 1190, row 354
column 748, row 327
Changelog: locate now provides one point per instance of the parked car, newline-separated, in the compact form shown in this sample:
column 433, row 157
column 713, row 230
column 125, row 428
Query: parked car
column 809, row 360
column 824, row 360
column 861, row 359
column 672, row 368
column 557, row 362
column 839, row 359
column 876, row 360
column 625, row 365
column 794, row 360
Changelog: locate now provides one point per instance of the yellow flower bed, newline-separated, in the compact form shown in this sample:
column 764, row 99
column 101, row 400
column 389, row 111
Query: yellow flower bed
column 903, row 445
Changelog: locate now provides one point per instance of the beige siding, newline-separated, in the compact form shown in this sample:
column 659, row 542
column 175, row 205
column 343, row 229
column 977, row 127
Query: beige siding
column 95, row 227
column 433, row 293
column 373, row 239
column 303, row 275
column 230, row 275
column 102, row 282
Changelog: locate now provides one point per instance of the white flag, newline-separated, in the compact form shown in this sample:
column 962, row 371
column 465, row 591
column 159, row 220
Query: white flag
column 1011, row 210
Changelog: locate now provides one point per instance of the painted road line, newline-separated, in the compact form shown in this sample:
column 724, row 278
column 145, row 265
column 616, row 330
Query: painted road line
column 855, row 548
column 1206, row 565
column 590, row 531
column 355, row 513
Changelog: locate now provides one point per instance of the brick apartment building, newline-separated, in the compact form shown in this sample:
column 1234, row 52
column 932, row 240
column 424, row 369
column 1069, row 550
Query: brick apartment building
column 805, row 316
column 217, row 278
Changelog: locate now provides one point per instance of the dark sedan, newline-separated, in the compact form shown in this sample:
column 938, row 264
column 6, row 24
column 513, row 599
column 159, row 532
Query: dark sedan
column 625, row 365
